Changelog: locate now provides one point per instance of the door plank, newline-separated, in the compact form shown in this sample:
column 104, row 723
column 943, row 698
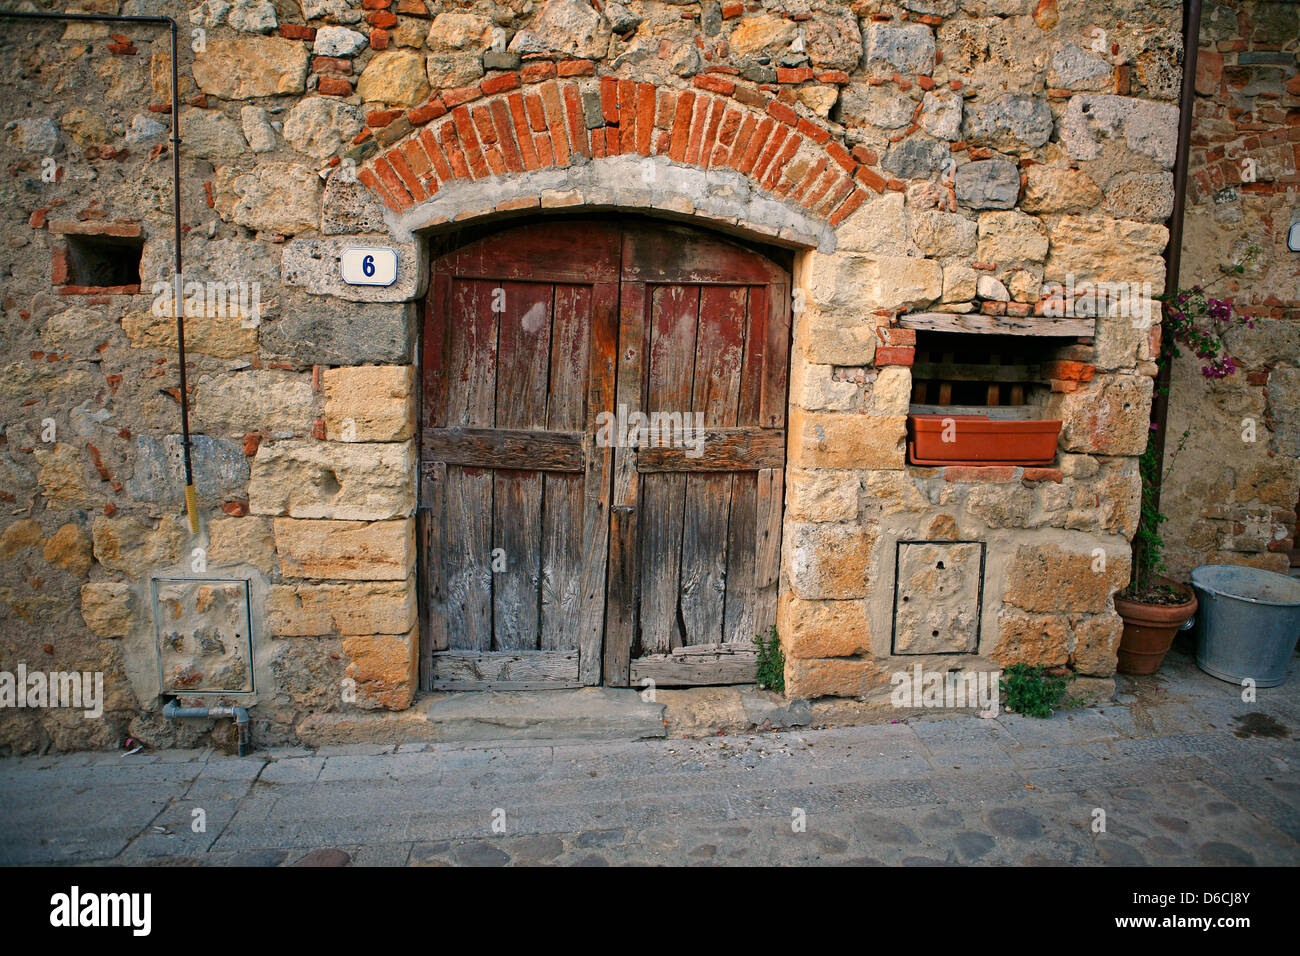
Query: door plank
column 674, row 312
column 505, row 670
column 679, row 254
column 719, row 357
column 621, row 609
column 505, row 448
column 597, row 483
column 470, row 401
column 694, row 670
column 725, row 449
column 776, row 356
column 769, row 496
column 523, row 365
column 562, row 505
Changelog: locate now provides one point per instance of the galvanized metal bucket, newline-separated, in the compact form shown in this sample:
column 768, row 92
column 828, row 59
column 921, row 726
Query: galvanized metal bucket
column 1248, row 623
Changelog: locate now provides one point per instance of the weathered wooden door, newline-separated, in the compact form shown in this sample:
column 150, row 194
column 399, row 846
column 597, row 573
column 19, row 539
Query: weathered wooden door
column 556, row 553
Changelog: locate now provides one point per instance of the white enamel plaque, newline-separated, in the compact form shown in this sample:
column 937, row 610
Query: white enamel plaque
column 368, row 265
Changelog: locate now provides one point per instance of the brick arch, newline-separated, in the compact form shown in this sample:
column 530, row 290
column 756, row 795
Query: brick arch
column 718, row 150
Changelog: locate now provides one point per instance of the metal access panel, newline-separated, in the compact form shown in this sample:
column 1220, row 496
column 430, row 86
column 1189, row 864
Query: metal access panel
column 204, row 630
column 938, row 597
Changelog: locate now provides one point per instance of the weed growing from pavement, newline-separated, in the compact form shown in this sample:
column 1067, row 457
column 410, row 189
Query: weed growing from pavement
column 1032, row 691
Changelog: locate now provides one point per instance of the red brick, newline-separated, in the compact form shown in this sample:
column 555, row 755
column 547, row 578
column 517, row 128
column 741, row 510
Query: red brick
column 394, row 183
column 848, row 207
column 417, row 158
column 864, row 155
column 378, row 119
column 455, row 155
column 1069, row 371
column 756, row 143
column 645, row 117
column 797, row 74
column 715, row 121
column 609, row 99
column 519, row 118
column 379, row 39
column 964, row 473
column 461, row 94
column 783, row 113
column 500, row 83
column 743, row 136
column 487, row 133
column 545, row 154
column 685, row 134
column 714, row 84
column 822, row 187
column 555, row 122
column 627, row 116
column 697, row 123
column 297, row 31
column 841, row 155
column 403, row 169
column 334, row 86
column 536, row 72
column 536, row 114
column 895, row 355
column 775, row 140
column 382, row 19
column 575, row 68
column 791, row 147
column 730, row 10
column 1042, row 474
column 832, row 76
column 750, row 97
column 469, row 141
column 427, row 112
column 434, row 151
column 813, row 132
column 894, row 335
column 331, row 64
column 577, row 122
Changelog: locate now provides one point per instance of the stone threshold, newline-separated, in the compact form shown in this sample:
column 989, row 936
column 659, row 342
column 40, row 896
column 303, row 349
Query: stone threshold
column 612, row 713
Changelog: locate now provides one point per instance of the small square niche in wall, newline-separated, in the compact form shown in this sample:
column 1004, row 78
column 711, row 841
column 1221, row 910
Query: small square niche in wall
column 937, row 598
column 204, row 633
column 96, row 257
column 104, row 261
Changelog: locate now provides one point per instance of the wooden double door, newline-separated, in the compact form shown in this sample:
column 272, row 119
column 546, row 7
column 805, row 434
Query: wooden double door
column 601, row 460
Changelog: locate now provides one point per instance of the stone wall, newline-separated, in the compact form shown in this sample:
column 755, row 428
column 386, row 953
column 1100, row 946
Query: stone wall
column 942, row 155
column 1232, row 492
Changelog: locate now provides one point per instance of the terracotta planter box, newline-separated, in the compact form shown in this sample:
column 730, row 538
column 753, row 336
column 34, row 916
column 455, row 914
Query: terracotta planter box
column 979, row 440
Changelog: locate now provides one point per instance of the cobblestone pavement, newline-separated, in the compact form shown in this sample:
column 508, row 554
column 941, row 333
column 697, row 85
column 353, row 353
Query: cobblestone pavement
column 1185, row 772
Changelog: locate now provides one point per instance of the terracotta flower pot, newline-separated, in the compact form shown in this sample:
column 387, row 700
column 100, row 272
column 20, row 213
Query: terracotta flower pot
column 979, row 440
column 1149, row 630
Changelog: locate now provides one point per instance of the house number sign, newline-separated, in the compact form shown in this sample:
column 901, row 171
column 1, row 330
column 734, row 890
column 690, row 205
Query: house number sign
column 368, row 265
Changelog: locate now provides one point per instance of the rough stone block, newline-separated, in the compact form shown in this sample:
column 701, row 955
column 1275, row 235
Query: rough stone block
column 817, row 629
column 384, row 668
column 846, row 440
column 370, row 403
column 107, row 607
column 310, row 479
column 828, row 560
column 366, row 607
column 832, row 677
column 1109, row 415
column 346, row 550
column 1046, row 578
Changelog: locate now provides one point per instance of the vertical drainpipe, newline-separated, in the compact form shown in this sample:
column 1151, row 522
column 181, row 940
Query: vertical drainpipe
column 1174, row 251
